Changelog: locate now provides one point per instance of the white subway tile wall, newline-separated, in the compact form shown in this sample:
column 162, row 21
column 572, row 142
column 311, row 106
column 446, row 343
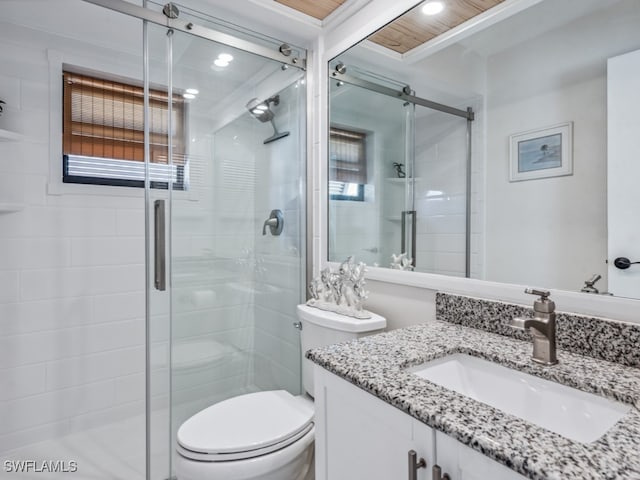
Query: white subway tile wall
column 71, row 276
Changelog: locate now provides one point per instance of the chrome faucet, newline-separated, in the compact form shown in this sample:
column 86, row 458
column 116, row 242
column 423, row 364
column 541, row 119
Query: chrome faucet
column 542, row 327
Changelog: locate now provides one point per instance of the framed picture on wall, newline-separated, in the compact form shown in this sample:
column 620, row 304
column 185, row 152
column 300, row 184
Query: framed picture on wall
column 541, row 153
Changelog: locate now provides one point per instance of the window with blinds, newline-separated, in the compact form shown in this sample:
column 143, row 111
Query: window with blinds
column 103, row 134
column 347, row 164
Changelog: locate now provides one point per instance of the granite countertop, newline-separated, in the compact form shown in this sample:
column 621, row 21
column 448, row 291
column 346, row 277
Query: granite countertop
column 376, row 364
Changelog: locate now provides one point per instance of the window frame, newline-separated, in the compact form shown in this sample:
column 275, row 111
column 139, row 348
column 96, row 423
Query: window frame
column 334, row 131
column 355, row 198
column 181, row 171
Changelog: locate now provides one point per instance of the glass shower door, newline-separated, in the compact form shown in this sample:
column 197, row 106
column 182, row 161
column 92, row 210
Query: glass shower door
column 224, row 325
column 370, row 133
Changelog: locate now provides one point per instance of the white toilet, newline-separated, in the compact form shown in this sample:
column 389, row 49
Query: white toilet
column 265, row 435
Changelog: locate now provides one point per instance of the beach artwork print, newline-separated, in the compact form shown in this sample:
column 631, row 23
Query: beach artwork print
column 541, row 153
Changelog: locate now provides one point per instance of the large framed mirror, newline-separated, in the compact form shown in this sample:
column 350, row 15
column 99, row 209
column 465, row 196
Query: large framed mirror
column 495, row 146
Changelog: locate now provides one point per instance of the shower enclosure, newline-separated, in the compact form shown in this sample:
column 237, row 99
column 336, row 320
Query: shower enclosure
column 415, row 175
column 216, row 316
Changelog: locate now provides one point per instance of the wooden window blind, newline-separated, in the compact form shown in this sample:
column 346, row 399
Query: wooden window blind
column 347, row 153
column 104, row 119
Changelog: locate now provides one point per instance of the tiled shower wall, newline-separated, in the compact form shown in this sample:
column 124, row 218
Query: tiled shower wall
column 71, row 266
column 440, row 194
column 280, row 275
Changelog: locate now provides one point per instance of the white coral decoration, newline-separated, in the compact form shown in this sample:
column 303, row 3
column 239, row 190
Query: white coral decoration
column 401, row 262
column 342, row 291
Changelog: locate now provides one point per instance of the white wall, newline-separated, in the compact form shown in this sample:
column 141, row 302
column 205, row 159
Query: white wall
column 553, row 229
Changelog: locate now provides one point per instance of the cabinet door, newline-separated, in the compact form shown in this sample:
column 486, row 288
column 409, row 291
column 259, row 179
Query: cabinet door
column 464, row 463
column 359, row 436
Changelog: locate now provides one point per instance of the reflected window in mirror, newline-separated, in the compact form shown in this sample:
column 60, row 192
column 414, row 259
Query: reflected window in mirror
column 348, row 164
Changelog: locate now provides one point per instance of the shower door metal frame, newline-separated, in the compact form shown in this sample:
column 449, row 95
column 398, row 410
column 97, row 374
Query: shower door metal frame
column 402, row 95
column 284, row 55
column 408, row 95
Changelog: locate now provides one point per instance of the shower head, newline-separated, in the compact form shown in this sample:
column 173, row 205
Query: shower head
column 262, row 111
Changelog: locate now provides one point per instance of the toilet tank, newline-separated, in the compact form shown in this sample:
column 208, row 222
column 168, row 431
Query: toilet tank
column 320, row 328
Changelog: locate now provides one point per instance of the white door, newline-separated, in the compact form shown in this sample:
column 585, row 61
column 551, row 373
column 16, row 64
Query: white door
column 623, row 183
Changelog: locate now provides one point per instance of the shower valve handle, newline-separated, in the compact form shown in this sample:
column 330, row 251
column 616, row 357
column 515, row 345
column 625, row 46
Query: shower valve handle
column 275, row 222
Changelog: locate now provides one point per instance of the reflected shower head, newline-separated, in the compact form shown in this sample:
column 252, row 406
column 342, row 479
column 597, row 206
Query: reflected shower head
column 263, row 112
column 260, row 110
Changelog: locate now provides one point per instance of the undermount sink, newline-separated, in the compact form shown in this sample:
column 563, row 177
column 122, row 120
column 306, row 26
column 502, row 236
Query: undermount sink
column 574, row 414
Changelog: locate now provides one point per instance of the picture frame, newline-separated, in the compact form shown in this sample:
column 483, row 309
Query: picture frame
column 541, row 153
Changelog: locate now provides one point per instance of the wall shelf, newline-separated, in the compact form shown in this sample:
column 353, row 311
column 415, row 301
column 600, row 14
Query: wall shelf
column 9, row 136
column 401, row 180
column 11, row 207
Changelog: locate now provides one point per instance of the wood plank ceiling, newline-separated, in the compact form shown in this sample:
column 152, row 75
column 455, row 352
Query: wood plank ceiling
column 319, row 9
column 415, row 28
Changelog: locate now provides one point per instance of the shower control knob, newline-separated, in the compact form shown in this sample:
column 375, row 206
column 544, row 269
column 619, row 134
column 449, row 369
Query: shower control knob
column 297, row 325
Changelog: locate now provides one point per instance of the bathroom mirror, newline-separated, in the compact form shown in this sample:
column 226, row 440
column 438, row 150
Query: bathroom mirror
column 478, row 144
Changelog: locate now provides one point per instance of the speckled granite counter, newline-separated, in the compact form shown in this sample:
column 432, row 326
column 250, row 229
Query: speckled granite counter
column 376, row 364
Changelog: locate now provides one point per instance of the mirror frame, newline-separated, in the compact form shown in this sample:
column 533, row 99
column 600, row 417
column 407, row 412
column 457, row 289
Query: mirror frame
column 348, row 34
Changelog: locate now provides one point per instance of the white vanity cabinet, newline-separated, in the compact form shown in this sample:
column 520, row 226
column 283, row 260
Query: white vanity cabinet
column 464, row 463
column 358, row 436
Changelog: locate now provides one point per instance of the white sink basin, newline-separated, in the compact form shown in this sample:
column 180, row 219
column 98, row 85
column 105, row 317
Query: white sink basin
column 574, row 414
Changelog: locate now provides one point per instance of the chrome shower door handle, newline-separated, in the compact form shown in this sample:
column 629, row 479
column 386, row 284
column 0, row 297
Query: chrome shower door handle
column 159, row 246
column 403, row 234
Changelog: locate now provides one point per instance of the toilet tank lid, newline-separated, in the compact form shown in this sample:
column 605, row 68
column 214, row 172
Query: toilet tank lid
column 340, row 322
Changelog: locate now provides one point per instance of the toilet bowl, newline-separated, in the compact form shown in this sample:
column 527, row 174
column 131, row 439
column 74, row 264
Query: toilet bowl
column 265, row 435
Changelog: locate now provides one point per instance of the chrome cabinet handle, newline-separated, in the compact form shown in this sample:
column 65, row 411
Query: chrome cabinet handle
column 159, row 246
column 437, row 474
column 415, row 464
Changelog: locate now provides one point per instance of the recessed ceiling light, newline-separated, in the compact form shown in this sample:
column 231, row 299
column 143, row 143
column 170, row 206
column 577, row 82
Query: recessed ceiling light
column 192, row 91
column 220, row 63
column 225, row 57
column 189, row 96
column 432, row 8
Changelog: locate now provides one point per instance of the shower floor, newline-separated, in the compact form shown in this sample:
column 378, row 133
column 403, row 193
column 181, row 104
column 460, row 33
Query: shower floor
column 115, row 452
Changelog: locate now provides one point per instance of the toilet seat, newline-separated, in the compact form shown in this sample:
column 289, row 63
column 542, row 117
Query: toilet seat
column 246, row 426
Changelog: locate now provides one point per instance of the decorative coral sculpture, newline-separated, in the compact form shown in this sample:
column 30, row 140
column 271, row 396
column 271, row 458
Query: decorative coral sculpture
column 401, row 262
column 341, row 291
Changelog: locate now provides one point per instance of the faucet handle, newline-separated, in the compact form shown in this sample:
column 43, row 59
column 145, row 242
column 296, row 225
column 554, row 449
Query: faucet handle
column 544, row 294
column 542, row 304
